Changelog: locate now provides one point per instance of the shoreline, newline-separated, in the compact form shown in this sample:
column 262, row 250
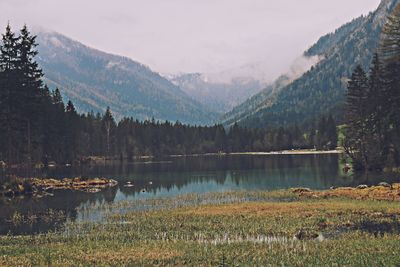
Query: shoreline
column 97, row 161
column 283, row 152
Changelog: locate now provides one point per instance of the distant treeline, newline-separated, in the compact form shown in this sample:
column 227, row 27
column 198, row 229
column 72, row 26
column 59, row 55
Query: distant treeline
column 373, row 105
column 36, row 125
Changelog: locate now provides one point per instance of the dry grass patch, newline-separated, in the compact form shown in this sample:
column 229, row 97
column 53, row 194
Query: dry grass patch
column 128, row 254
column 279, row 208
column 391, row 193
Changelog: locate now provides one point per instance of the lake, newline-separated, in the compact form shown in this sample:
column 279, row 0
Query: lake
column 169, row 177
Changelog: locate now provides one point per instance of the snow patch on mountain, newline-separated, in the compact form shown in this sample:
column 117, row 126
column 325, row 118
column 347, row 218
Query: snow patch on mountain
column 56, row 42
column 113, row 64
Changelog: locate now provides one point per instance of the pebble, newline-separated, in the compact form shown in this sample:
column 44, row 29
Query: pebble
column 362, row 186
column 384, row 184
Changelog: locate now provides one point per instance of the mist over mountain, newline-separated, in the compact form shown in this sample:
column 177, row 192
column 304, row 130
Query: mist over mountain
column 322, row 89
column 265, row 96
column 216, row 94
column 93, row 80
column 223, row 91
column 314, row 86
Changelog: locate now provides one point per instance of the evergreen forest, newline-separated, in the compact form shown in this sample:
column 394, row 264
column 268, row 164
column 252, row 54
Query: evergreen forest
column 36, row 126
column 372, row 108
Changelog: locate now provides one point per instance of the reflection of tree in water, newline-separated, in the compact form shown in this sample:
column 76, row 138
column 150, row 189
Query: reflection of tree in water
column 169, row 181
column 193, row 173
column 65, row 201
column 250, row 172
column 280, row 171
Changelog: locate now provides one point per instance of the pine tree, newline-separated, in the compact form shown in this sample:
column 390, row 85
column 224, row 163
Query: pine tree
column 377, row 119
column 376, row 91
column 390, row 53
column 355, row 143
column 331, row 133
column 53, row 132
column 109, row 128
column 10, row 101
column 321, row 137
column 220, row 137
column 72, row 119
column 31, row 88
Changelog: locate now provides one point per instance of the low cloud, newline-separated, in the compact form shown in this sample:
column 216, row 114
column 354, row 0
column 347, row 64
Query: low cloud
column 208, row 36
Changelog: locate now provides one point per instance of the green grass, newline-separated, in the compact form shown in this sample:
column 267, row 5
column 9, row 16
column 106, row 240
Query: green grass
column 231, row 229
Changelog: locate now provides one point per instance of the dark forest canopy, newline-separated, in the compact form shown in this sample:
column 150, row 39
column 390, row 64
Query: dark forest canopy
column 373, row 105
column 36, row 126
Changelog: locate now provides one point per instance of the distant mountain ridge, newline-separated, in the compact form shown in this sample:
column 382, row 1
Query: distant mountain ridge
column 321, row 90
column 218, row 96
column 93, row 80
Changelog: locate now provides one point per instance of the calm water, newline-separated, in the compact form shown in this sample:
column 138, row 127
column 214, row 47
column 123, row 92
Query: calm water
column 176, row 176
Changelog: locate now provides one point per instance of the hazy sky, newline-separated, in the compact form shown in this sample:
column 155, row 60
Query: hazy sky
column 191, row 35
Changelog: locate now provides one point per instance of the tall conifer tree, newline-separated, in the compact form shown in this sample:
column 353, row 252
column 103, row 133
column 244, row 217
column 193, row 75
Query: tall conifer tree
column 356, row 111
column 31, row 88
column 390, row 53
column 8, row 93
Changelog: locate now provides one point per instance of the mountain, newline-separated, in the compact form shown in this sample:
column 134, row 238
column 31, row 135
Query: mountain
column 322, row 89
column 268, row 94
column 93, row 80
column 217, row 95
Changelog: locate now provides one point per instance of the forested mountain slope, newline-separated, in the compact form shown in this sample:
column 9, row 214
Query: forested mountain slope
column 94, row 80
column 322, row 89
column 259, row 100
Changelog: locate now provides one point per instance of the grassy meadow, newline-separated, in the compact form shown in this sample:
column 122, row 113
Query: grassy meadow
column 279, row 228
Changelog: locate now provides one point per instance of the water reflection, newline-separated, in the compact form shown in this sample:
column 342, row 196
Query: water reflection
column 176, row 176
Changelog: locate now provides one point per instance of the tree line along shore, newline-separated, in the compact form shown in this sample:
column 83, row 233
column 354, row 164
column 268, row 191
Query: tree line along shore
column 37, row 127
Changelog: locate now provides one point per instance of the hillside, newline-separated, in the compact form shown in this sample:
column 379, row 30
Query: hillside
column 321, row 90
column 94, row 80
column 268, row 94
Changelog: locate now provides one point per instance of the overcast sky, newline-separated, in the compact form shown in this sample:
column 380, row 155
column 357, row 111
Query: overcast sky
column 174, row 36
